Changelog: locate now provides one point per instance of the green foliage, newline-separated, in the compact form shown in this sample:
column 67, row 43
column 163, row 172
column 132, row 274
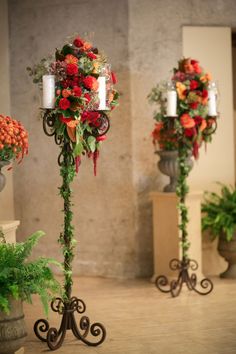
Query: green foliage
column 38, row 70
column 219, row 212
column 66, row 238
column 2, row 237
column 182, row 191
column 20, row 278
column 157, row 95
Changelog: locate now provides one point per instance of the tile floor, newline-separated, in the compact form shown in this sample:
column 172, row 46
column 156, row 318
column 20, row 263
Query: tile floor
column 141, row 320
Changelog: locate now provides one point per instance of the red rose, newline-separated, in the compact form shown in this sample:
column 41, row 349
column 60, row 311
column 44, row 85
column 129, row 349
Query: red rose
column 77, row 91
column 90, row 83
column 198, row 119
column 64, row 103
column 204, row 93
column 194, row 105
column 113, row 77
column 88, row 97
column 193, row 61
column 64, row 119
column 90, row 116
column 78, row 42
column 197, row 68
column 91, row 55
column 75, row 81
column 101, row 138
column 190, row 132
column 193, row 84
column 72, row 69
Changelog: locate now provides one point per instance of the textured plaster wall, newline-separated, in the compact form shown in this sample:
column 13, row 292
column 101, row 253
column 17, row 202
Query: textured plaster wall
column 155, row 43
column 103, row 206
column 143, row 39
column 6, row 196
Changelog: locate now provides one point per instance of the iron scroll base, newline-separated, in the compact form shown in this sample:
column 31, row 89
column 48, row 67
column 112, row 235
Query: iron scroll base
column 183, row 267
column 55, row 337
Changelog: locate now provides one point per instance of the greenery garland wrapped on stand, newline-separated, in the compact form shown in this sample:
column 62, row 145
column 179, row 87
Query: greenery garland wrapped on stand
column 186, row 119
column 78, row 94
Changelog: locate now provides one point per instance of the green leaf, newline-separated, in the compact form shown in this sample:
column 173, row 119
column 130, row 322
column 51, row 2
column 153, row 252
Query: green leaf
column 78, row 149
column 91, row 141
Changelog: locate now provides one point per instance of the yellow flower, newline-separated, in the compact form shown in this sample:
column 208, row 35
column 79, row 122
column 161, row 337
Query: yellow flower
column 96, row 66
column 205, row 78
column 181, row 90
column 71, row 59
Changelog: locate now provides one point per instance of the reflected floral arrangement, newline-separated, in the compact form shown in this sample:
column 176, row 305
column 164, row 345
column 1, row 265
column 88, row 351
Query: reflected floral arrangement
column 186, row 108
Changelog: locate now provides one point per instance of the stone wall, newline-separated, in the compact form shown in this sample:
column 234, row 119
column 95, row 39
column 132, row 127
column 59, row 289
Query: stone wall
column 6, row 196
column 112, row 212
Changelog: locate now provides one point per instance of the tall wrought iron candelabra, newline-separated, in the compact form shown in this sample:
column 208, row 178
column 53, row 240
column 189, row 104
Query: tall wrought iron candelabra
column 68, row 305
column 185, row 265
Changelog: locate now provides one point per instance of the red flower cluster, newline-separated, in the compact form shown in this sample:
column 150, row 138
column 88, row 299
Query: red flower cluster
column 192, row 110
column 91, row 117
column 76, row 69
column 90, row 83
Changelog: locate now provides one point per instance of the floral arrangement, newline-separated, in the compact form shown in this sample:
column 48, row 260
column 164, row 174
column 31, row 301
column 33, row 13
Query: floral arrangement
column 187, row 129
column 76, row 120
column 13, row 139
column 77, row 67
column 192, row 124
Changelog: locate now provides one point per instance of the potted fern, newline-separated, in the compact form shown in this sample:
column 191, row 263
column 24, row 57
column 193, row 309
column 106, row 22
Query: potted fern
column 219, row 217
column 19, row 279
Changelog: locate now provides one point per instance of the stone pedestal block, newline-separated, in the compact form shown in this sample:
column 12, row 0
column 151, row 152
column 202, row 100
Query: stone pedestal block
column 166, row 235
column 9, row 227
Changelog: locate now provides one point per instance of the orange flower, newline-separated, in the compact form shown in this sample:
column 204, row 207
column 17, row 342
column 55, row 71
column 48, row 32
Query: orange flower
column 205, row 78
column 87, row 46
column 66, row 93
column 71, row 129
column 204, row 101
column 203, row 125
column 187, row 121
column 110, row 97
column 71, row 59
column 181, row 90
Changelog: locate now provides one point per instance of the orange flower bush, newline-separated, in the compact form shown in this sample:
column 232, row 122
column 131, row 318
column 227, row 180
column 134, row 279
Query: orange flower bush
column 13, row 139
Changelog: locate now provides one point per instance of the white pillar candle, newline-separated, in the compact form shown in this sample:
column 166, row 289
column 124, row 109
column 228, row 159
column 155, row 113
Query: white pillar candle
column 102, row 93
column 48, row 91
column 171, row 103
column 212, row 103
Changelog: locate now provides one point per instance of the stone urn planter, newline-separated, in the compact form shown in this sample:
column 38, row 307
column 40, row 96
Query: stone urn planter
column 2, row 177
column 168, row 165
column 227, row 249
column 12, row 328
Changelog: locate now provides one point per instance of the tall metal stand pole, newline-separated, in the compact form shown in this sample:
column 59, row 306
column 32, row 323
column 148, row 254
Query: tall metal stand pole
column 67, row 306
column 185, row 265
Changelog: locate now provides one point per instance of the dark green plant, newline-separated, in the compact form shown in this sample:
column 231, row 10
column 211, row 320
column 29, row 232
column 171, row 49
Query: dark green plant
column 182, row 190
column 219, row 212
column 66, row 239
column 20, row 277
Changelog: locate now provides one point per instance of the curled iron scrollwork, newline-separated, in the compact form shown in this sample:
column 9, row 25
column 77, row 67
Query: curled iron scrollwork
column 54, row 337
column 193, row 264
column 57, row 305
column 103, row 124
column 175, row 286
column 41, row 326
column 175, row 264
column 49, row 120
column 212, row 128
